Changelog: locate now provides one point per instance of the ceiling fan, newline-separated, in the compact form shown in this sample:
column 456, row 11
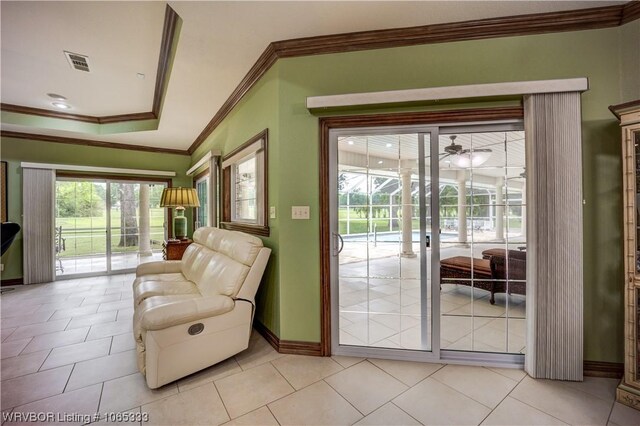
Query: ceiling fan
column 522, row 175
column 464, row 157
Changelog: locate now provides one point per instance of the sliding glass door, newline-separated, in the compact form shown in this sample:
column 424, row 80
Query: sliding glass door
column 429, row 242
column 484, row 246
column 80, row 226
column 382, row 233
column 137, row 224
column 105, row 226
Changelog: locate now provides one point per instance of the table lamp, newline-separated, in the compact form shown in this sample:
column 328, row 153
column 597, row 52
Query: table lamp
column 180, row 198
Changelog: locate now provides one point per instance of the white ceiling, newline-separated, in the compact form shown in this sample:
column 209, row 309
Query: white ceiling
column 507, row 156
column 218, row 44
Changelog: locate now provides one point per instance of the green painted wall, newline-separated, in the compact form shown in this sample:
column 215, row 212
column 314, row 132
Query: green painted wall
column 595, row 54
column 630, row 61
column 551, row 56
column 14, row 151
column 257, row 111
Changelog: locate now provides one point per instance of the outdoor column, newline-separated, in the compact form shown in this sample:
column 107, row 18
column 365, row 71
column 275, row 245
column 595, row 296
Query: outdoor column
column 407, row 212
column 144, row 241
column 462, row 209
column 523, row 226
column 499, row 209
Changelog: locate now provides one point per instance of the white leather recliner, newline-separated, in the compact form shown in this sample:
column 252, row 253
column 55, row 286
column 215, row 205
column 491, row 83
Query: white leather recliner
column 195, row 312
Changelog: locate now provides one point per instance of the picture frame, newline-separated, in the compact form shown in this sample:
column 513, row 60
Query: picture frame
column 3, row 191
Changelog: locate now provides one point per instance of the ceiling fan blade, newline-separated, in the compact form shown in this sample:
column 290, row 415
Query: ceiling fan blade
column 468, row 150
column 444, row 155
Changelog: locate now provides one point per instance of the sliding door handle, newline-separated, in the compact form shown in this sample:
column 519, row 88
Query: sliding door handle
column 337, row 248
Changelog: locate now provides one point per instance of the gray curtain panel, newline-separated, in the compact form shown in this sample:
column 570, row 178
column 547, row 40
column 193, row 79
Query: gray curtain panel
column 554, row 231
column 38, row 199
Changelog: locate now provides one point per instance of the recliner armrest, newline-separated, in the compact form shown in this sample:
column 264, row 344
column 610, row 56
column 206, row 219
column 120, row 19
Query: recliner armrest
column 160, row 267
column 185, row 311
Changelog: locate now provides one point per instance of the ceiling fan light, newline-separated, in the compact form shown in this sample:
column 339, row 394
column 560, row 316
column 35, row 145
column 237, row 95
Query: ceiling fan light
column 470, row 159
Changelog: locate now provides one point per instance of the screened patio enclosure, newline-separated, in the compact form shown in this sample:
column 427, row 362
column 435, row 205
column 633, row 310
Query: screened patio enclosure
column 385, row 280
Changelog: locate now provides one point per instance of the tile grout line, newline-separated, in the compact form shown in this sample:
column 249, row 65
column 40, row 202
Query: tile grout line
column 535, row 408
column 613, row 405
column 312, row 383
column 348, row 402
column 400, row 408
column 282, row 375
column 505, row 397
column 563, row 383
column 100, row 399
column 40, row 367
column 467, row 396
column 25, row 347
column 274, row 416
column 167, row 386
column 226, row 410
column 40, row 399
column 69, row 379
column 29, row 325
column 408, row 387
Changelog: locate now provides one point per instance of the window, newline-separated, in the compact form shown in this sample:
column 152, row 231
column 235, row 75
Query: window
column 244, row 181
column 202, row 213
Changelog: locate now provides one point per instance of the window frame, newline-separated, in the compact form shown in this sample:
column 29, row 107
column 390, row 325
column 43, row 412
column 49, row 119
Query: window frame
column 205, row 175
column 257, row 147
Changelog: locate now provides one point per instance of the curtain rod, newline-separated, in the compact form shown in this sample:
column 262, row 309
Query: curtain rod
column 202, row 161
column 450, row 92
column 75, row 168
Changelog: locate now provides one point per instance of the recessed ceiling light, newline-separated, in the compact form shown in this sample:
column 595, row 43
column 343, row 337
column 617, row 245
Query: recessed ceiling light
column 60, row 105
column 140, row 76
column 380, row 162
column 350, row 142
column 56, row 96
column 389, row 145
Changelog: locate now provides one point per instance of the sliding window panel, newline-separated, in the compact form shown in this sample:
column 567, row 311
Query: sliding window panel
column 137, row 224
column 80, row 227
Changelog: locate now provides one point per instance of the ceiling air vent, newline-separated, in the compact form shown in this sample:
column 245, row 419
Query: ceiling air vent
column 79, row 62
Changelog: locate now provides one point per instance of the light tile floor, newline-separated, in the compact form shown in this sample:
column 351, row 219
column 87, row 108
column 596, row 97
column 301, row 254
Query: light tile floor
column 380, row 304
column 49, row 367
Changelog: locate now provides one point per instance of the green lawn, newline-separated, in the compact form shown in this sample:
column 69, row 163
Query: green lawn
column 87, row 235
column 358, row 225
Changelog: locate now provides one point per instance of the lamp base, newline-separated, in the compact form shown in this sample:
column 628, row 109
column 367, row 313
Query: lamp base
column 180, row 224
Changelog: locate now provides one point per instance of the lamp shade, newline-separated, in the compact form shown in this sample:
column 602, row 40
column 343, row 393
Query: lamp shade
column 179, row 197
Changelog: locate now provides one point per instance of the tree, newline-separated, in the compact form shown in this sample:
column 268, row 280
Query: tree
column 128, row 221
column 79, row 199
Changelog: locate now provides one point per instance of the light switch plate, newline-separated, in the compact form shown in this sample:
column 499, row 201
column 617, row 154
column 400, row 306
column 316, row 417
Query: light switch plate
column 299, row 212
column 272, row 212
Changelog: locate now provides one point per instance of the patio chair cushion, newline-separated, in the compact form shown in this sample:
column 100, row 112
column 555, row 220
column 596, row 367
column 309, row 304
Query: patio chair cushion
column 500, row 252
column 489, row 273
column 464, row 266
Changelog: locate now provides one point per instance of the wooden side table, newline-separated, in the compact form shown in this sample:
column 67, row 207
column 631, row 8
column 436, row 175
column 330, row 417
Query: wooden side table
column 174, row 249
